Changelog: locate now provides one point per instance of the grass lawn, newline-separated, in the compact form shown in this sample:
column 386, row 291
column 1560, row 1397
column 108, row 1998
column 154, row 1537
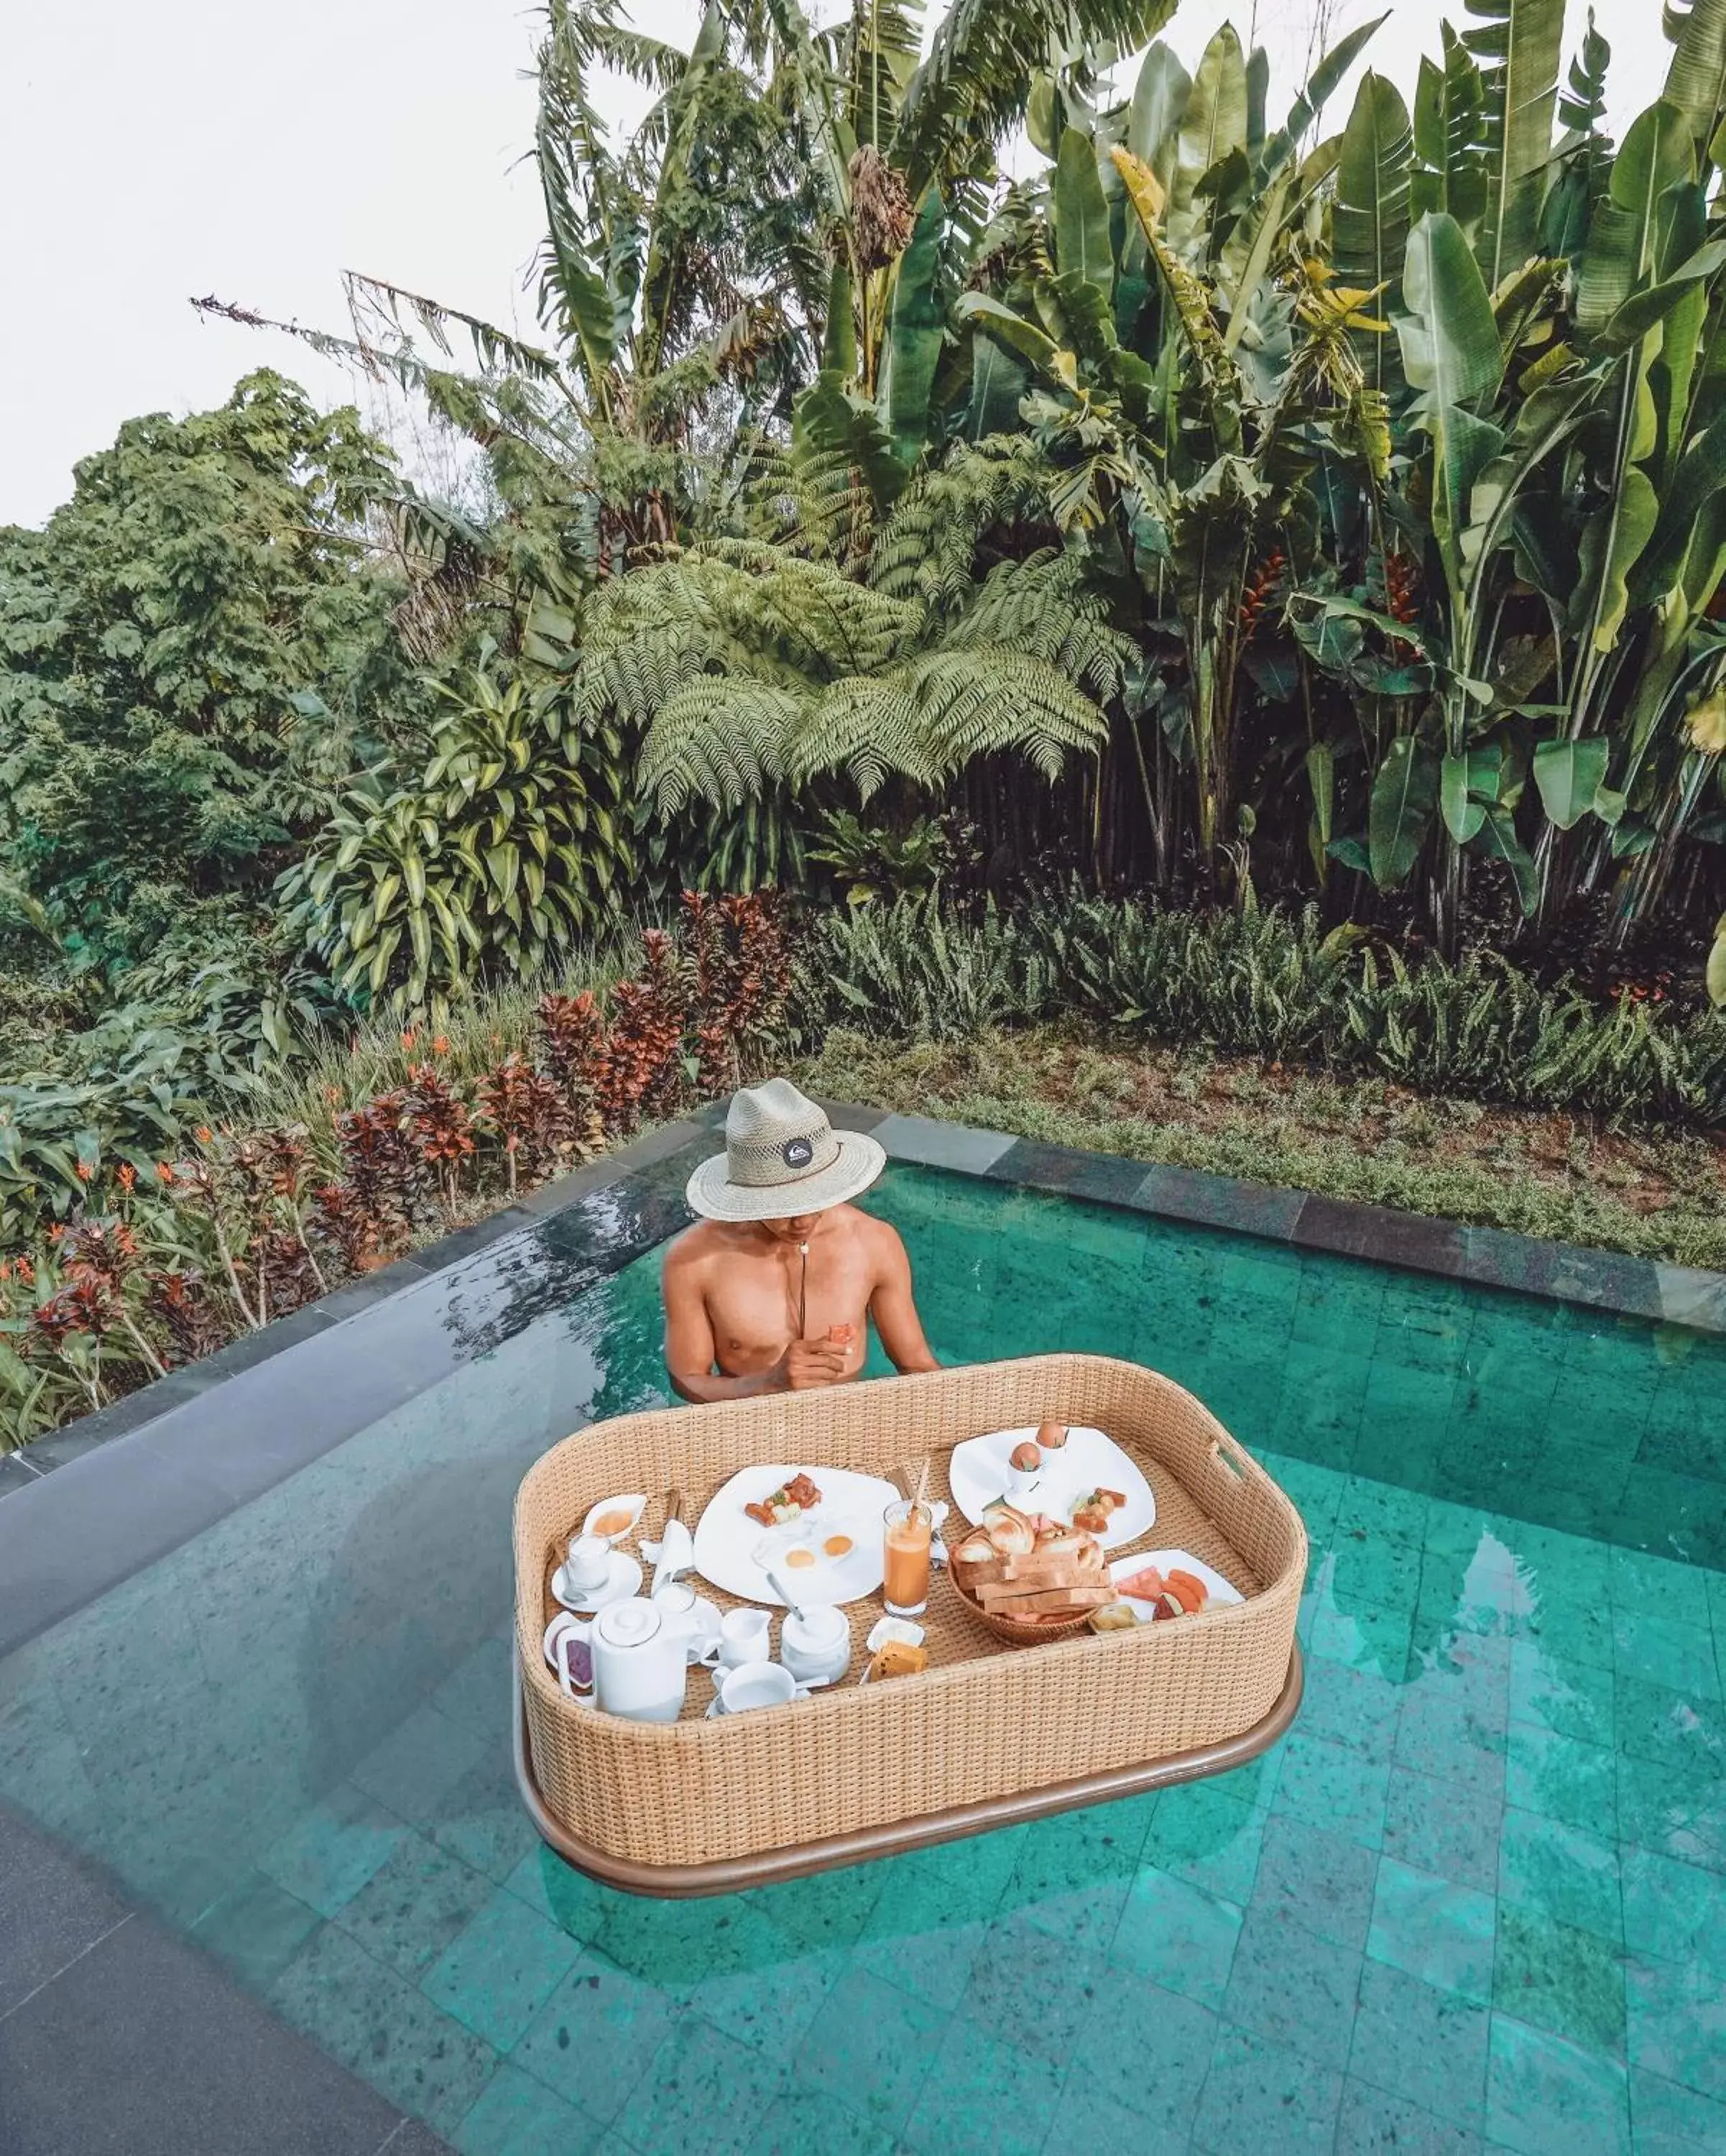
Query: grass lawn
column 1659, row 1194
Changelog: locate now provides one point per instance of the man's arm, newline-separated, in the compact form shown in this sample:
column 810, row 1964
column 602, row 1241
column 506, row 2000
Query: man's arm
column 894, row 1306
column 690, row 1353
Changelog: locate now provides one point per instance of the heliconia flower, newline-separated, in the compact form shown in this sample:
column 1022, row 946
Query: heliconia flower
column 164, row 1173
column 440, row 1046
column 410, row 1034
column 26, row 1271
column 128, row 1175
column 202, row 1134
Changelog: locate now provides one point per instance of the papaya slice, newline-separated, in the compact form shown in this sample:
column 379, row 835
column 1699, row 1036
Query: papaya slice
column 1189, row 1592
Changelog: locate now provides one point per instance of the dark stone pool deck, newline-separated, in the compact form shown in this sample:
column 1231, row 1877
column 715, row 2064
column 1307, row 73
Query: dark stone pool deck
column 114, row 2034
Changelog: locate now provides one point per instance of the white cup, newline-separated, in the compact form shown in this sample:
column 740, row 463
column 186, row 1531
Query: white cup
column 745, row 1636
column 757, row 1684
column 587, row 1563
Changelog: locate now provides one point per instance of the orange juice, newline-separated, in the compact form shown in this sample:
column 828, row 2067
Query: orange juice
column 905, row 1587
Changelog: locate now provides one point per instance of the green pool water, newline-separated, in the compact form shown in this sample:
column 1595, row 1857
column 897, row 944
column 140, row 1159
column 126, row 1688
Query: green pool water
column 1477, row 1897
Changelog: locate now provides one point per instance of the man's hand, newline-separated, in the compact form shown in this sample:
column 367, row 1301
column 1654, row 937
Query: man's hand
column 807, row 1364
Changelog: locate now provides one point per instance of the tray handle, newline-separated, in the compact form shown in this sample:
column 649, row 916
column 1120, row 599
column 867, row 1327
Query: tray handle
column 1231, row 1457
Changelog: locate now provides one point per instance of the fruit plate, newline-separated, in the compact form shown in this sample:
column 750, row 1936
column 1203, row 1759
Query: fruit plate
column 734, row 1552
column 1167, row 1561
column 981, row 1471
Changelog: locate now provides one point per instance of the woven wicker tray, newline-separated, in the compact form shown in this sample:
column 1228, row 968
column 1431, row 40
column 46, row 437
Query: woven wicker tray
column 989, row 1732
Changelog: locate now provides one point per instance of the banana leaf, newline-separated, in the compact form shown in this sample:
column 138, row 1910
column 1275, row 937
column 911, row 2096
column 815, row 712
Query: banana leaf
column 1570, row 775
column 1623, row 239
column 1321, row 85
column 1696, row 79
column 838, row 349
column 1370, row 223
column 1159, row 100
column 1212, row 122
column 1522, row 41
column 915, row 328
column 1082, row 246
column 1449, row 134
column 1405, row 792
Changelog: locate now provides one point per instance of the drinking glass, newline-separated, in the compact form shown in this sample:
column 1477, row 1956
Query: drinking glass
column 905, row 1585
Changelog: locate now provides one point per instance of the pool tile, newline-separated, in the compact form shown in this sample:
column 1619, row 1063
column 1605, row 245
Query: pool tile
column 1427, row 2046
column 413, row 1906
column 1561, row 1778
column 1295, row 1988
column 1147, row 2049
column 391, row 2035
column 1259, row 2097
column 1074, row 1872
column 701, row 2090
column 802, row 2120
column 592, row 2040
column 1672, row 1729
column 1548, row 2097
column 1086, row 2118
column 334, row 1850
column 1454, row 1743
column 1017, row 1962
column 1356, row 1708
column 1678, row 1592
column 256, row 1930
column 1572, row 1699
column 982, row 2091
column 1323, row 1882
column 1660, row 1651
column 1676, row 2013
column 515, row 2115
column 574, row 1902
column 1679, row 1811
column 827, row 1909
column 483, row 1822
column 870, row 2046
column 1562, row 1872
column 1333, row 1788
column 500, row 1969
column 1437, row 1826
column 1179, row 1935
column 1433, row 1929
column 1554, row 1977
column 1373, row 2122
column 1363, row 1639
column 1200, row 1833
column 1674, row 1912
column 414, row 1769
column 1667, row 2120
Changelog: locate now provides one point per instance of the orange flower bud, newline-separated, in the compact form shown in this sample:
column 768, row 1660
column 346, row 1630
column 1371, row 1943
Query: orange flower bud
column 164, row 1173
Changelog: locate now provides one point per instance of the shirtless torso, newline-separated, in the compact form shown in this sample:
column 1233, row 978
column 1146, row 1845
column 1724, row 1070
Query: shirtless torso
column 732, row 1325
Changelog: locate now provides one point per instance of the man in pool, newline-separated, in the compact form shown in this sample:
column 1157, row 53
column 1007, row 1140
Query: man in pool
column 773, row 1289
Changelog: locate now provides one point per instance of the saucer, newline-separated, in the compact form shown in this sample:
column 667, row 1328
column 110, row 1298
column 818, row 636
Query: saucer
column 625, row 1578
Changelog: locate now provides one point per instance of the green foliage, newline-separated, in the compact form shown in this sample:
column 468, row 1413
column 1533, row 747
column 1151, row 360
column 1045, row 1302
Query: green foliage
column 507, row 848
column 1268, row 985
column 195, row 646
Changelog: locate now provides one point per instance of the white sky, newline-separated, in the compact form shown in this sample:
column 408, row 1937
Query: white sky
column 150, row 153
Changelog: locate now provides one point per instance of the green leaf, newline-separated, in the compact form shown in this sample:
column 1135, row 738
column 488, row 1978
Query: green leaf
column 1021, row 336
column 1696, row 79
column 1158, row 99
column 1449, row 118
column 1463, row 815
column 1450, row 351
column 1405, row 792
column 997, row 389
column 1522, row 44
column 1082, row 246
column 1714, row 972
column 1498, row 842
column 1370, row 222
column 838, row 348
column 1570, row 774
column 1623, row 238
column 1630, row 530
column 1643, row 310
column 1213, row 123
column 913, row 343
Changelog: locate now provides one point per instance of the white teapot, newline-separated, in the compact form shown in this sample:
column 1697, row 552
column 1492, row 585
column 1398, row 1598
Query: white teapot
column 815, row 1644
column 639, row 1661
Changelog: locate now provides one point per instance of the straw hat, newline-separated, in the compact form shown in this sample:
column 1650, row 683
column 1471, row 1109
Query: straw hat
column 782, row 1157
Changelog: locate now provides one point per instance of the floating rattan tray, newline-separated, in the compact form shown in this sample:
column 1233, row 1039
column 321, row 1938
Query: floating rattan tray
column 989, row 1732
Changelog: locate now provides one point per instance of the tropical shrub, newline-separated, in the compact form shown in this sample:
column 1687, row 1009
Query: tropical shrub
column 1263, row 983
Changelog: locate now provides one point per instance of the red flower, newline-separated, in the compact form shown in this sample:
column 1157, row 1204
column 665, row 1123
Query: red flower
column 202, row 1134
column 85, row 1171
column 128, row 1175
column 164, row 1173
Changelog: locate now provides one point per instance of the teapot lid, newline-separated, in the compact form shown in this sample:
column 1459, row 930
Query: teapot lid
column 630, row 1624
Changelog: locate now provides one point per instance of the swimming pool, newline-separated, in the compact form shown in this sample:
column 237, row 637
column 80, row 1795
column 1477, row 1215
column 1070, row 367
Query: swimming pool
column 1479, row 1892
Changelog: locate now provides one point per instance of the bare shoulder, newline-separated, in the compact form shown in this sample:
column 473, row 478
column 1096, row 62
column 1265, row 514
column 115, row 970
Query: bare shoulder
column 881, row 1240
column 690, row 1253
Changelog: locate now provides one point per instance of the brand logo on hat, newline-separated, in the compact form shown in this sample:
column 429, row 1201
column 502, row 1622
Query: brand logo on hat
column 797, row 1153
